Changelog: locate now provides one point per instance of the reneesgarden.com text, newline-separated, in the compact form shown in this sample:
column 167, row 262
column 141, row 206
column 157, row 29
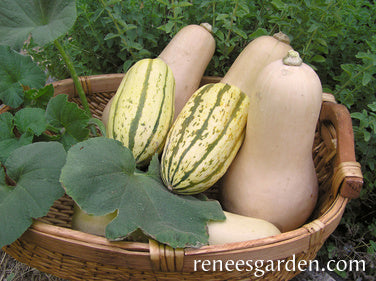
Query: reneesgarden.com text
column 260, row 267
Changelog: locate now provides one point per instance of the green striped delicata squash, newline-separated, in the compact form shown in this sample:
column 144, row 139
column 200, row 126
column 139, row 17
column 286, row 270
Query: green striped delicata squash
column 142, row 109
column 204, row 138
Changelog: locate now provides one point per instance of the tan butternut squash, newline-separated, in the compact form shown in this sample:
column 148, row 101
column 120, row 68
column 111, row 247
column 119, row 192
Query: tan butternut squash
column 188, row 55
column 273, row 175
column 85, row 222
column 255, row 56
column 237, row 228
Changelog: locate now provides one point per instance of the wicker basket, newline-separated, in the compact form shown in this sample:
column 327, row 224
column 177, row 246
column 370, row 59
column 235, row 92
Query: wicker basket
column 50, row 244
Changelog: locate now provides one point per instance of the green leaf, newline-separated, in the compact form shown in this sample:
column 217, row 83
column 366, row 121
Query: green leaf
column 6, row 126
column 348, row 68
column 312, row 28
column 44, row 20
column 372, row 248
column 167, row 27
column 29, row 187
column 39, row 97
column 358, row 115
column 372, row 106
column 100, row 175
column 367, row 77
column 17, row 70
column 278, row 4
column 318, row 58
column 240, row 32
column 367, row 57
column 257, row 33
column 154, row 169
column 321, row 41
column 69, row 119
column 7, row 146
column 182, row 4
column 111, row 36
column 8, row 141
column 30, row 120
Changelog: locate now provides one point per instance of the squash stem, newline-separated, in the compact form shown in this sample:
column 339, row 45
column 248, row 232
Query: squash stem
column 72, row 70
column 8, row 180
column 292, row 59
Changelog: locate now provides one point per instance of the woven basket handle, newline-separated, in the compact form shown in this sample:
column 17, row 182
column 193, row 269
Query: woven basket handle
column 347, row 177
column 164, row 258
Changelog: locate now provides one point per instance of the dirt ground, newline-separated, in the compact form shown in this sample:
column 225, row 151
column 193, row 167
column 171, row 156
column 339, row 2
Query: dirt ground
column 12, row 270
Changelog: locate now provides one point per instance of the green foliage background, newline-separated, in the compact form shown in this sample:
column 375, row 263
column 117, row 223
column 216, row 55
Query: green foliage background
column 337, row 38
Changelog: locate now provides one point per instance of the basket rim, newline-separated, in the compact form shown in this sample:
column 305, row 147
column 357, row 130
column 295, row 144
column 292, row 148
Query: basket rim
column 305, row 239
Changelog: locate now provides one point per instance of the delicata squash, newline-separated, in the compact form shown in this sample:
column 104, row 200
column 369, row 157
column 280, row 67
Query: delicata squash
column 142, row 109
column 204, row 138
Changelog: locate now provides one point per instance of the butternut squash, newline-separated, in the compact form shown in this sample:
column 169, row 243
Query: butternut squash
column 255, row 56
column 273, row 175
column 188, row 55
column 87, row 223
column 237, row 228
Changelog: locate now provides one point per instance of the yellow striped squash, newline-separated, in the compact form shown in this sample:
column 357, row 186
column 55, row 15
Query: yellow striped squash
column 204, row 138
column 142, row 109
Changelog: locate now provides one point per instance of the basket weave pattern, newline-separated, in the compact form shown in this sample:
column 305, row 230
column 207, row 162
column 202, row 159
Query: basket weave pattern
column 50, row 244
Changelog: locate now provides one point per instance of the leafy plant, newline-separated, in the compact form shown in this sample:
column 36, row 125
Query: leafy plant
column 45, row 22
column 33, row 142
column 37, row 124
column 17, row 72
column 43, row 118
column 357, row 229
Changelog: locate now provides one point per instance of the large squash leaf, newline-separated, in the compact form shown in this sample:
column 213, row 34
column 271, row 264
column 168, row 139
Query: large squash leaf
column 45, row 20
column 17, row 71
column 101, row 176
column 29, row 184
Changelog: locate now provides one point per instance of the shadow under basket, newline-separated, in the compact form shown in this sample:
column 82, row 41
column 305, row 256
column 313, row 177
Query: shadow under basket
column 51, row 246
